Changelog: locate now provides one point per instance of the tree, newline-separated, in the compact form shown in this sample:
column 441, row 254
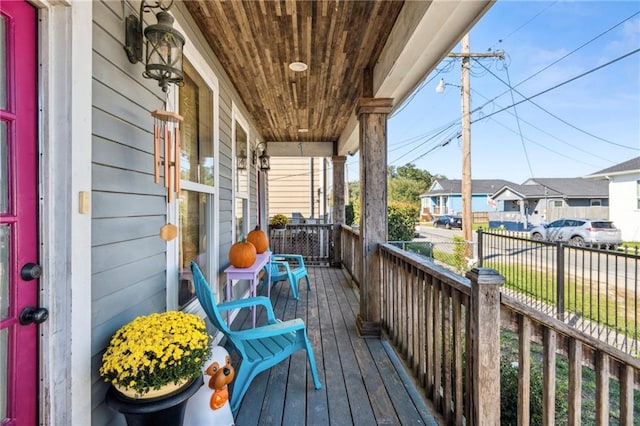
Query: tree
column 405, row 184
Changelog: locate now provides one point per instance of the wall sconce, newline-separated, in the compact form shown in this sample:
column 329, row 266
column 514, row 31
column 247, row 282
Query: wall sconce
column 163, row 60
column 263, row 157
column 241, row 163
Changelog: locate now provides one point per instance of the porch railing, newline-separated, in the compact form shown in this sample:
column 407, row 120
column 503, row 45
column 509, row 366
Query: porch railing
column 313, row 241
column 428, row 313
column 351, row 251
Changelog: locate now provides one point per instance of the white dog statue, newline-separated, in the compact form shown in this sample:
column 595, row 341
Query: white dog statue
column 210, row 405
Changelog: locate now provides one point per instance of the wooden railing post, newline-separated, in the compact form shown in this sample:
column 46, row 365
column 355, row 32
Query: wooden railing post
column 339, row 216
column 485, row 345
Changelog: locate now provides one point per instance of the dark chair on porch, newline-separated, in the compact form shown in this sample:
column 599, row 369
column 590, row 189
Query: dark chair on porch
column 261, row 347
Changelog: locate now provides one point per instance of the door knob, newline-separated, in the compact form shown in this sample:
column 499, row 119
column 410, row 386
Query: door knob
column 31, row 271
column 31, row 315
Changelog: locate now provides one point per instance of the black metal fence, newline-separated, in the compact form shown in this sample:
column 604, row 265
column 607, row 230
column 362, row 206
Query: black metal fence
column 593, row 290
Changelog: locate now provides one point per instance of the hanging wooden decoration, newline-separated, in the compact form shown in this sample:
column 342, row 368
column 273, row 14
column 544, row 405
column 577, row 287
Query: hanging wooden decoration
column 166, row 128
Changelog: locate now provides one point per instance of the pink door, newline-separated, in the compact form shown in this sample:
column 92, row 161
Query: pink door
column 19, row 270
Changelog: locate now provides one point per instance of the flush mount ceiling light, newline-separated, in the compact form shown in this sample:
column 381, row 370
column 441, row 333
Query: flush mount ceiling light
column 298, row 66
column 303, row 130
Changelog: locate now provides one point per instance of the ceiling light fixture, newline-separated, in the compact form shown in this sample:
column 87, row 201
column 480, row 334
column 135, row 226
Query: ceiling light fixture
column 298, row 66
column 303, row 130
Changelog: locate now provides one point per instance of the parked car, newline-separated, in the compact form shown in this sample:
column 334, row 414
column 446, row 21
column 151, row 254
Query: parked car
column 448, row 221
column 579, row 232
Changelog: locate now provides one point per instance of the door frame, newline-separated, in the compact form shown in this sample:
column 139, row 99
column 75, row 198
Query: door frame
column 65, row 110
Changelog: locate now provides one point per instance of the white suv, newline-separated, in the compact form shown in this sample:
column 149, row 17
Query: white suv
column 579, row 232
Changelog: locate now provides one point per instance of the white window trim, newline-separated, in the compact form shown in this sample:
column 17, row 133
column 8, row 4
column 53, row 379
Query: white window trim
column 207, row 74
column 237, row 117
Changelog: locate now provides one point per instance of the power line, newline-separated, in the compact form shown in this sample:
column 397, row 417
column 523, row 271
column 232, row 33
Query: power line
column 542, row 146
column 515, row 110
column 588, row 152
column 424, row 143
column 565, row 56
column 562, row 84
column 549, row 112
column 523, row 25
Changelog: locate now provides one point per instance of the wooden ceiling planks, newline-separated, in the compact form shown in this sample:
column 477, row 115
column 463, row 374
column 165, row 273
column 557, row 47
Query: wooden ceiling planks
column 256, row 40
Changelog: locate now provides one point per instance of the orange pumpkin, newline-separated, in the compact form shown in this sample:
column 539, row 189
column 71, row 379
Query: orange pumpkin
column 242, row 254
column 259, row 239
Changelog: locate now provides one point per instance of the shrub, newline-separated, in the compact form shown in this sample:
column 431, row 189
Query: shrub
column 348, row 214
column 401, row 225
column 509, row 395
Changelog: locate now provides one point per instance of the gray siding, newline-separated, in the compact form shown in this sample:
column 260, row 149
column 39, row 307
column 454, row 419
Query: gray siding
column 128, row 258
column 128, row 208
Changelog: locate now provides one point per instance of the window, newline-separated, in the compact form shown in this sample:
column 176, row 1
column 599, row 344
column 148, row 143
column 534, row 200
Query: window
column 557, row 203
column 196, row 200
column 596, row 203
column 241, row 148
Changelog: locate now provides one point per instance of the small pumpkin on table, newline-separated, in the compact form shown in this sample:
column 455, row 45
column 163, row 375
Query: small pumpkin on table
column 242, row 254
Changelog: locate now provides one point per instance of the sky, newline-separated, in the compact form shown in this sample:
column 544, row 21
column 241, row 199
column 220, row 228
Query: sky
column 585, row 124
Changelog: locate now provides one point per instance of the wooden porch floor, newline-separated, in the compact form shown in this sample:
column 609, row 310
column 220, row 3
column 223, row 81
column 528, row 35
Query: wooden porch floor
column 363, row 381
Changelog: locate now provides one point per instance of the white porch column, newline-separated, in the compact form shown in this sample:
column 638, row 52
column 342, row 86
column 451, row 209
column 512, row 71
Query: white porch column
column 372, row 114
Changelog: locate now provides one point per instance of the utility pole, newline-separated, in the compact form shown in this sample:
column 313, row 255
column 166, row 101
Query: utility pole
column 467, row 216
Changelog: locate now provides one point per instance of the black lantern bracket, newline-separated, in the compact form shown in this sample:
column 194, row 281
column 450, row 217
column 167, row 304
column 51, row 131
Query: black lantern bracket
column 263, row 157
column 163, row 59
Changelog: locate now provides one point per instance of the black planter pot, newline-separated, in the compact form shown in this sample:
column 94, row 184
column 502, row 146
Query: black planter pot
column 167, row 410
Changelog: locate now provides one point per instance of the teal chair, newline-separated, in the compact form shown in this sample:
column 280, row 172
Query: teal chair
column 289, row 267
column 261, row 347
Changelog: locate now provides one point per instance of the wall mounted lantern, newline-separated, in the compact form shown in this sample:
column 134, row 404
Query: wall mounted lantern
column 163, row 59
column 263, row 157
column 241, row 163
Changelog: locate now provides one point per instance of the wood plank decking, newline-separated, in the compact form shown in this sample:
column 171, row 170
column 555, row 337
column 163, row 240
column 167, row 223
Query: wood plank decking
column 363, row 382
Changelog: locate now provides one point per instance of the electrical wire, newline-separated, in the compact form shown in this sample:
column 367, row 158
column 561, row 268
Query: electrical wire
column 541, row 145
column 523, row 25
column 422, row 85
column 562, row 84
column 567, row 55
column 530, row 124
column 512, row 88
column 424, row 143
column 515, row 111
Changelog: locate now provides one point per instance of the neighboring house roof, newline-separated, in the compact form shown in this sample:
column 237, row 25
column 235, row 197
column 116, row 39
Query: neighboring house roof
column 625, row 168
column 555, row 188
column 454, row 186
column 572, row 187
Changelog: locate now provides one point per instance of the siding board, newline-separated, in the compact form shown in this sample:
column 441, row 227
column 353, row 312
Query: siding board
column 112, row 204
column 126, row 181
column 119, row 278
column 122, row 157
column 113, row 255
column 115, row 129
column 117, row 230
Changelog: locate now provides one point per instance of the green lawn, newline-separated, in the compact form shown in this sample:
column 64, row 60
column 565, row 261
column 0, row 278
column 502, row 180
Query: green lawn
column 589, row 303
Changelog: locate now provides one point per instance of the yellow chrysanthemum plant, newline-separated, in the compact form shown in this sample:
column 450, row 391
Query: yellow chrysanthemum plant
column 156, row 350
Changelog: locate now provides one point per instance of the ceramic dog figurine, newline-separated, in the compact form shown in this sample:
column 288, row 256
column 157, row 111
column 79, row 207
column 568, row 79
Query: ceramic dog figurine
column 210, row 405
column 222, row 373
